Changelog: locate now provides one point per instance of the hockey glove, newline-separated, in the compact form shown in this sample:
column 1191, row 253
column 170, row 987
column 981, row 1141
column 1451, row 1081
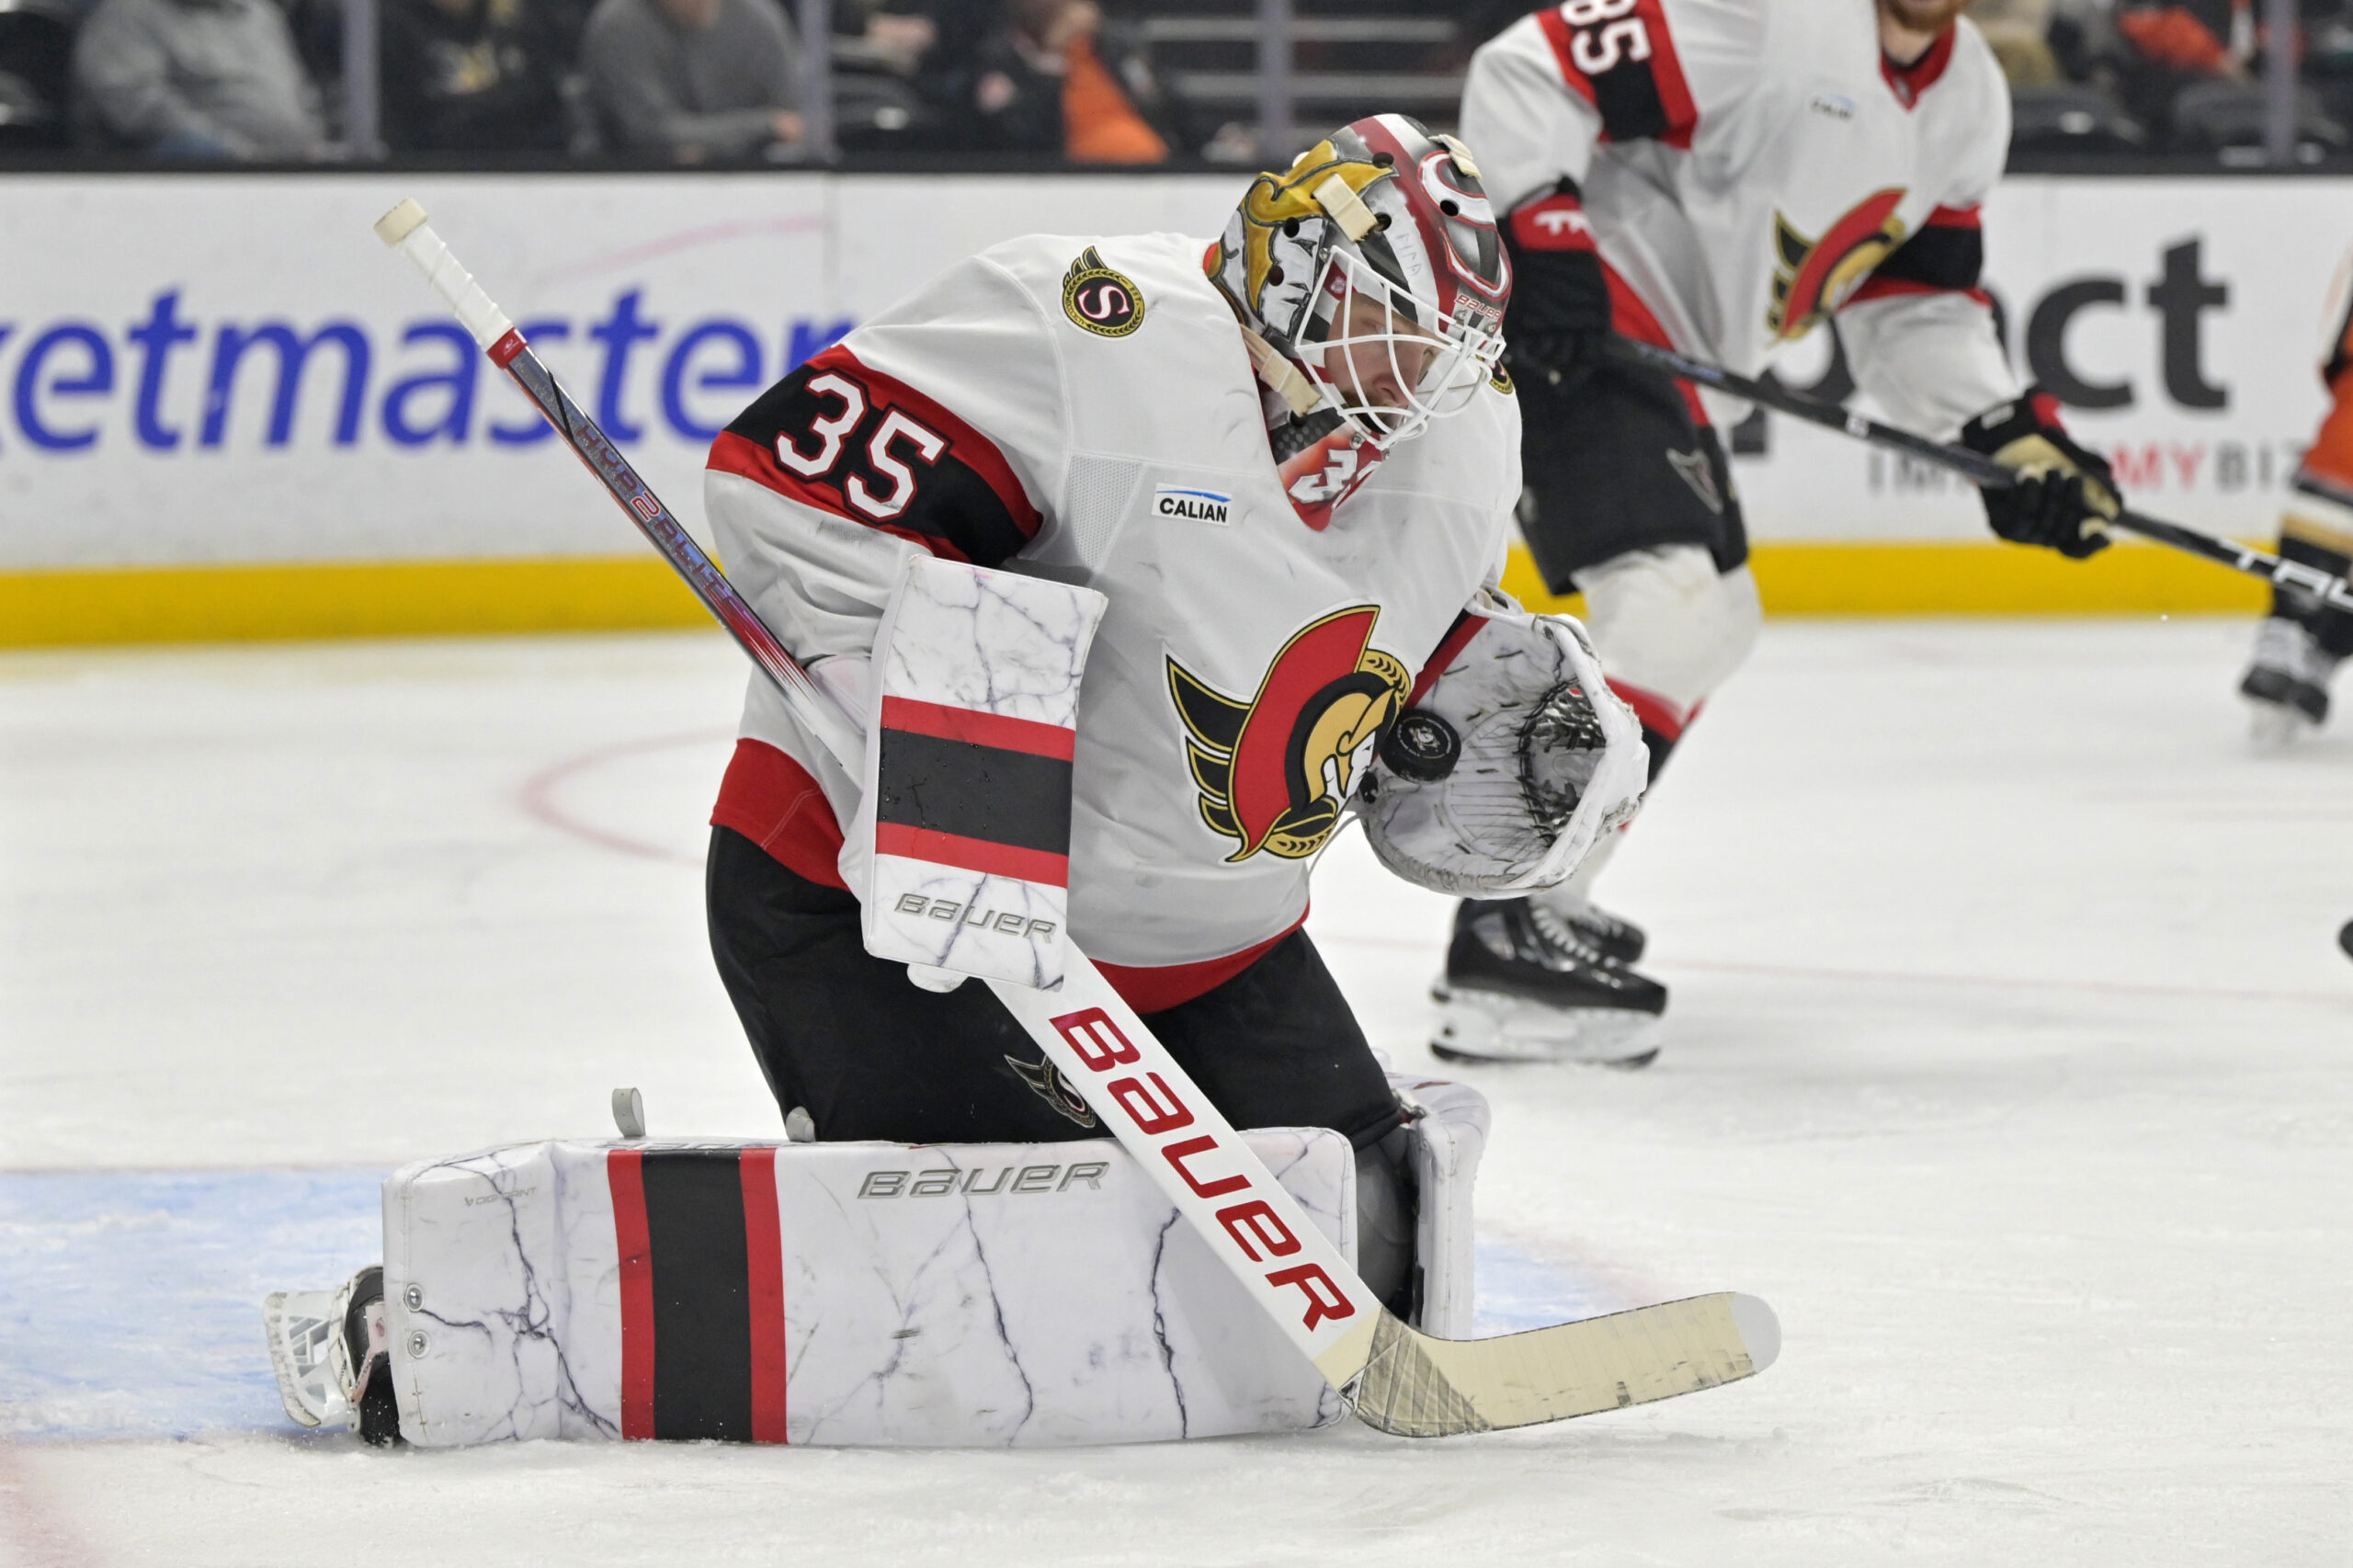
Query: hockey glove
column 2064, row 493
column 1558, row 320
column 1516, row 762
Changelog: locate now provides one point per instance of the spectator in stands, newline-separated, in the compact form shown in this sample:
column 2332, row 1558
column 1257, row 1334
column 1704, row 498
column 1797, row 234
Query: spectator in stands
column 1051, row 78
column 2195, row 66
column 195, row 79
column 695, row 81
column 471, row 76
column 2191, row 38
column 2019, row 33
column 897, row 35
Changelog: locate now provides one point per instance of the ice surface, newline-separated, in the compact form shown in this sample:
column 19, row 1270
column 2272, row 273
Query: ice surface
column 2010, row 1063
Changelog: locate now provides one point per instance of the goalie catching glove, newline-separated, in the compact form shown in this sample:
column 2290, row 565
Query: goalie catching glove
column 2064, row 494
column 1509, row 767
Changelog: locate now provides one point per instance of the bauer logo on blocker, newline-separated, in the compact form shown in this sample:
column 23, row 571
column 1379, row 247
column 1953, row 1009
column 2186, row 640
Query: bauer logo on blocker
column 1198, row 505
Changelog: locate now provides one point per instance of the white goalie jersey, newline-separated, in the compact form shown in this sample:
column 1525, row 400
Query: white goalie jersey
column 1747, row 167
column 1084, row 410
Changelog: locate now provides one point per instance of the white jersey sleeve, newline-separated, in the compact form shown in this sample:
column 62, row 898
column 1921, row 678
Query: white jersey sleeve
column 939, row 426
column 1919, row 332
column 1544, row 92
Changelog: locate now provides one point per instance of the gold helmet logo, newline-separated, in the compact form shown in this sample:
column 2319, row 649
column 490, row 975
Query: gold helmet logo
column 1274, row 771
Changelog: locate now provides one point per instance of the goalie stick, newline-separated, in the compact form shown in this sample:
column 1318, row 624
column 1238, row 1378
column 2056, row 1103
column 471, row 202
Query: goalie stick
column 1978, row 469
column 1393, row 1377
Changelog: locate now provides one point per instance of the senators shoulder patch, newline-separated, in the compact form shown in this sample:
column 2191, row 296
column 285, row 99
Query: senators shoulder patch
column 1099, row 299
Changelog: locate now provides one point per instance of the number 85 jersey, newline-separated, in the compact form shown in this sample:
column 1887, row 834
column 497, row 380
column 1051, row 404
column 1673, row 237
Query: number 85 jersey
column 1748, row 168
column 1086, row 409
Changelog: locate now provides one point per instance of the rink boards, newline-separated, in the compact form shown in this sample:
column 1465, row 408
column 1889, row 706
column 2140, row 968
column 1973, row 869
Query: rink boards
column 224, row 413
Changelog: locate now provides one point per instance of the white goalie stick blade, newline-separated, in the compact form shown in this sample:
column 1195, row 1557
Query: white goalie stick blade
column 1401, row 1380
column 1396, row 1378
column 1415, row 1386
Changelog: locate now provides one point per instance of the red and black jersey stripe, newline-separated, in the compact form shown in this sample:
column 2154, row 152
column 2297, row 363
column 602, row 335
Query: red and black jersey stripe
column 1623, row 62
column 703, row 1293
column 975, row 790
column 846, row 438
column 1948, row 255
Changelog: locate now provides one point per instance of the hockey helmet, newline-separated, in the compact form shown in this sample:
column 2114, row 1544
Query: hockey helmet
column 1375, row 251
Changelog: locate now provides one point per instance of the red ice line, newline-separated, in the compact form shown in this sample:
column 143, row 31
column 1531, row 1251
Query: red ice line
column 537, row 796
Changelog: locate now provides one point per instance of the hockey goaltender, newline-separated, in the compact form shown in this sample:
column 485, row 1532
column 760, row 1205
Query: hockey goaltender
column 1257, row 492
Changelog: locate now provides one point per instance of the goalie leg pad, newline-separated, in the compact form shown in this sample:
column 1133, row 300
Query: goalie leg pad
column 836, row 1293
column 1449, row 1132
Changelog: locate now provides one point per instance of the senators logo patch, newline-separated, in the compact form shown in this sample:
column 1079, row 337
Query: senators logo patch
column 1104, row 302
column 1812, row 278
column 1275, row 770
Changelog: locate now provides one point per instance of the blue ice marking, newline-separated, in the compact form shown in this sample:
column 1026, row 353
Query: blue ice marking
column 1518, row 1291
column 130, row 1302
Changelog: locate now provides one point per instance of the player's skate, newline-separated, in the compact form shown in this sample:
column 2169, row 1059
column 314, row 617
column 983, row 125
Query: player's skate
column 328, row 1349
column 1618, row 939
column 2287, row 684
column 1521, row 984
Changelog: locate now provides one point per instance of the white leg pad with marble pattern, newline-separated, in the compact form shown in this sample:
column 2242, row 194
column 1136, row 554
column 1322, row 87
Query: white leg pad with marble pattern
column 1449, row 1136
column 847, row 1293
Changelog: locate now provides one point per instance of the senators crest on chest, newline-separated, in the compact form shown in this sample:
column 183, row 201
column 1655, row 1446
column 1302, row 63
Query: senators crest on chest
column 1812, row 276
column 1274, row 768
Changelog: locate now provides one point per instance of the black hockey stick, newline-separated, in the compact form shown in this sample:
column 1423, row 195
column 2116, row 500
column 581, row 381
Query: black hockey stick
column 1978, row 469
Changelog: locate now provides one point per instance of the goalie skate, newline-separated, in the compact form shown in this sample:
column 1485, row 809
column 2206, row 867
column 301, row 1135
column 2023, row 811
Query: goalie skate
column 1522, row 985
column 328, row 1350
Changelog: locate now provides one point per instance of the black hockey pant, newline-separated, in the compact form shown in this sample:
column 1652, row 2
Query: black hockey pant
column 868, row 1054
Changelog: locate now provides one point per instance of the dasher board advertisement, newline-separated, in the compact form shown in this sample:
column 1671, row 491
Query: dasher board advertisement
column 230, row 368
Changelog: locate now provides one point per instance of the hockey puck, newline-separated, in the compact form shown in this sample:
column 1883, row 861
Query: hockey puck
column 1422, row 747
column 2344, row 939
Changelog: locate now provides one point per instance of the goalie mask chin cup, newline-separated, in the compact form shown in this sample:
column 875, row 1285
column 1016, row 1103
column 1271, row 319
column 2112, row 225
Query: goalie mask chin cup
column 1374, row 265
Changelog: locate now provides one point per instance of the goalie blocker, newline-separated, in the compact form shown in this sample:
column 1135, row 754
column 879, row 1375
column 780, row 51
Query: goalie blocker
column 867, row 1293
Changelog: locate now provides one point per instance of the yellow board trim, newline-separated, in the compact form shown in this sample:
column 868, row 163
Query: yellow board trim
column 374, row 598
column 1964, row 578
column 411, row 599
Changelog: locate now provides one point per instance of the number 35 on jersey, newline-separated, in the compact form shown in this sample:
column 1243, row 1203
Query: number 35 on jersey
column 846, row 438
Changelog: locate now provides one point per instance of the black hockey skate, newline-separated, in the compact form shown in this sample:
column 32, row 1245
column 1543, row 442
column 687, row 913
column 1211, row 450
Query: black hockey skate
column 1618, row 939
column 1522, row 984
column 328, row 1350
column 2287, row 683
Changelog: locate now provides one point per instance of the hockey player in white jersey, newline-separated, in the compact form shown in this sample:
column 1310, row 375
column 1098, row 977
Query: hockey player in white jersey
column 1718, row 177
column 1285, row 461
column 1287, row 458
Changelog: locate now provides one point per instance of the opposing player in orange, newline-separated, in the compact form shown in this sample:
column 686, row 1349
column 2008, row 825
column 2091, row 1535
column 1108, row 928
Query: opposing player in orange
column 2301, row 642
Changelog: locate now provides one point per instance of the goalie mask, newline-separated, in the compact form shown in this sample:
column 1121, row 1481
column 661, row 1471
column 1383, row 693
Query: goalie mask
column 1373, row 265
column 1510, row 768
